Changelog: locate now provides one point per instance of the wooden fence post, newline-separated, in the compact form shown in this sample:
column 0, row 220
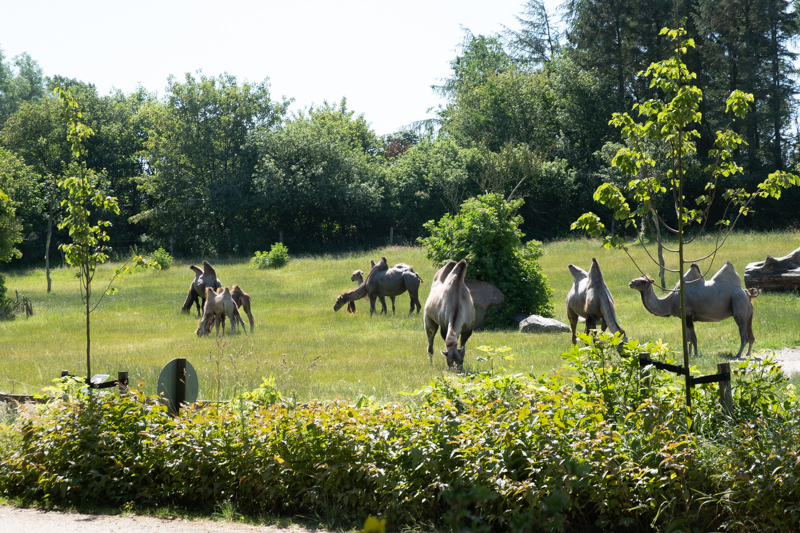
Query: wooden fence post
column 122, row 383
column 180, row 384
column 725, row 394
column 645, row 378
column 280, row 237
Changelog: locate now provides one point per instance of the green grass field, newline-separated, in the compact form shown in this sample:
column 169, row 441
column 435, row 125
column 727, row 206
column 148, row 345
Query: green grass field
column 316, row 353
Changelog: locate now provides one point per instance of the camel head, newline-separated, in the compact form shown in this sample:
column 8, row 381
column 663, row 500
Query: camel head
column 340, row 302
column 358, row 276
column 454, row 356
column 641, row 284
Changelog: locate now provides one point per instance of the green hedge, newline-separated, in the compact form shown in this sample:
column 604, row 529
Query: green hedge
column 591, row 452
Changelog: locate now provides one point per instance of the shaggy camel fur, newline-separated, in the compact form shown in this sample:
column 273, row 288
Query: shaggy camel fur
column 590, row 298
column 217, row 305
column 383, row 281
column 705, row 301
column 242, row 300
column 450, row 307
column 197, row 289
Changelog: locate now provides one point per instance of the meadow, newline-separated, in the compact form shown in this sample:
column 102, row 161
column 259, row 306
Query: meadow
column 315, row 353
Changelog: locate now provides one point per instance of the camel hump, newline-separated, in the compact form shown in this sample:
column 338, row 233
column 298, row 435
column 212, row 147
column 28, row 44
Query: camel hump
column 226, row 291
column 577, row 272
column 208, row 270
column 459, row 272
column 209, row 292
column 693, row 274
column 196, row 270
column 727, row 273
column 443, row 272
column 594, row 271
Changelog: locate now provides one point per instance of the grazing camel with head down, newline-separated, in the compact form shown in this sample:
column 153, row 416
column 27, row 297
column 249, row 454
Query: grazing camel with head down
column 383, row 281
column 450, row 307
column 705, row 301
column 218, row 305
column 590, row 298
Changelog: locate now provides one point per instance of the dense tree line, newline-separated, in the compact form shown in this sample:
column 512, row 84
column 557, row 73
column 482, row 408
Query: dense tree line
column 217, row 165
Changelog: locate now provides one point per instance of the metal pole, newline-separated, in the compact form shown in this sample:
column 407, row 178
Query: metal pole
column 725, row 394
column 180, row 384
column 122, row 383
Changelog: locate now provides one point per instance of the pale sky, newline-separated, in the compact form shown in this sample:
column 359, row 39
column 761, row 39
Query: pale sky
column 383, row 56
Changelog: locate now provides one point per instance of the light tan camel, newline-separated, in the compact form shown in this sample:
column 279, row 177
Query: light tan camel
column 450, row 307
column 706, row 301
column 217, row 305
column 358, row 277
column 383, row 281
column 242, row 300
column 197, row 289
column 590, row 298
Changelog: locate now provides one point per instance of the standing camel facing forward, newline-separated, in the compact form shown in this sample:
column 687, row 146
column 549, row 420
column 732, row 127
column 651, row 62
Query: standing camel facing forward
column 590, row 298
column 705, row 301
column 383, row 281
column 450, row 307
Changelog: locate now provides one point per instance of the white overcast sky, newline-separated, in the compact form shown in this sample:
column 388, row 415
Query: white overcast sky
column 383, row 56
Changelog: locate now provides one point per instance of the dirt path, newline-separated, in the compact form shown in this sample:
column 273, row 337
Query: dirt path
column 15, row 519
column 788, row 358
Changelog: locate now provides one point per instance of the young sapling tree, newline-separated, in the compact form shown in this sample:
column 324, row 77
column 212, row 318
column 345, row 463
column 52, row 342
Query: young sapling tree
column 671, row 121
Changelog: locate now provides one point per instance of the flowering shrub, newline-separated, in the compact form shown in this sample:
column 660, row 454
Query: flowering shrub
column 594, row 451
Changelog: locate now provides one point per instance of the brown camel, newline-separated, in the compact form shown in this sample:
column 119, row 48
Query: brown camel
column 705, row 301
column 383, row 281
column 197, row 289
column 242, row 300
column 590, row 298
column 450, row 307
column 217, row 304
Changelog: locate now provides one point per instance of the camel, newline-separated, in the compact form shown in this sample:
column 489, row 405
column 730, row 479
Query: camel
column 358, row 277
column 705, row 301
column 450, row 307
column 590, row 298
column 197, row 289
column 383, row 281
column 242, row 300
column 217, row 304
column 236, row 316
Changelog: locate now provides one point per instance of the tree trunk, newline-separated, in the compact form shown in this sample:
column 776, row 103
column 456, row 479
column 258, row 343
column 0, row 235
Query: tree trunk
column 660, row 251
column 47, row 247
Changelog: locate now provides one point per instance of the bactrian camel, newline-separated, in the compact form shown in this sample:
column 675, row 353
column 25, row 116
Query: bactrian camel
column 383, row 281
column 242, row 300
column 450, row 307
column 358, row 277
column 590, row 298
column 706, row 301
column 218, row 304
column 197, row 289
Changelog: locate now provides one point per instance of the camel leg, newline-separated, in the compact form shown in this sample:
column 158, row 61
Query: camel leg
column 743, row 334
column 465, row 335
column 372, row 305
column 383, row 305
column 591, row 323
column 392, row 297
column 750, row 336
column 573, row 323
column 430, row 330
column 223, row 325
column 692, row 336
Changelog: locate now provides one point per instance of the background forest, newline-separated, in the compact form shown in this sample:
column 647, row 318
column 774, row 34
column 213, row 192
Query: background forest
column 217, row 166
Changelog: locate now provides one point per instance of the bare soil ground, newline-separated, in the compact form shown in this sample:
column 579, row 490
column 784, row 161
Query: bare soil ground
column 789, row 359
column 14, row 519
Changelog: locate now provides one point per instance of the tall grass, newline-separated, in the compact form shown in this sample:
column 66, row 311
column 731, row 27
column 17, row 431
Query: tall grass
column 316, row 353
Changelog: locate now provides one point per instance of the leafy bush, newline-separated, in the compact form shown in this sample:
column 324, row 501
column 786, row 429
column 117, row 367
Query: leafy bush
column 277, row 257
column 161, row 258
column 484, row 452
column 486, row 233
